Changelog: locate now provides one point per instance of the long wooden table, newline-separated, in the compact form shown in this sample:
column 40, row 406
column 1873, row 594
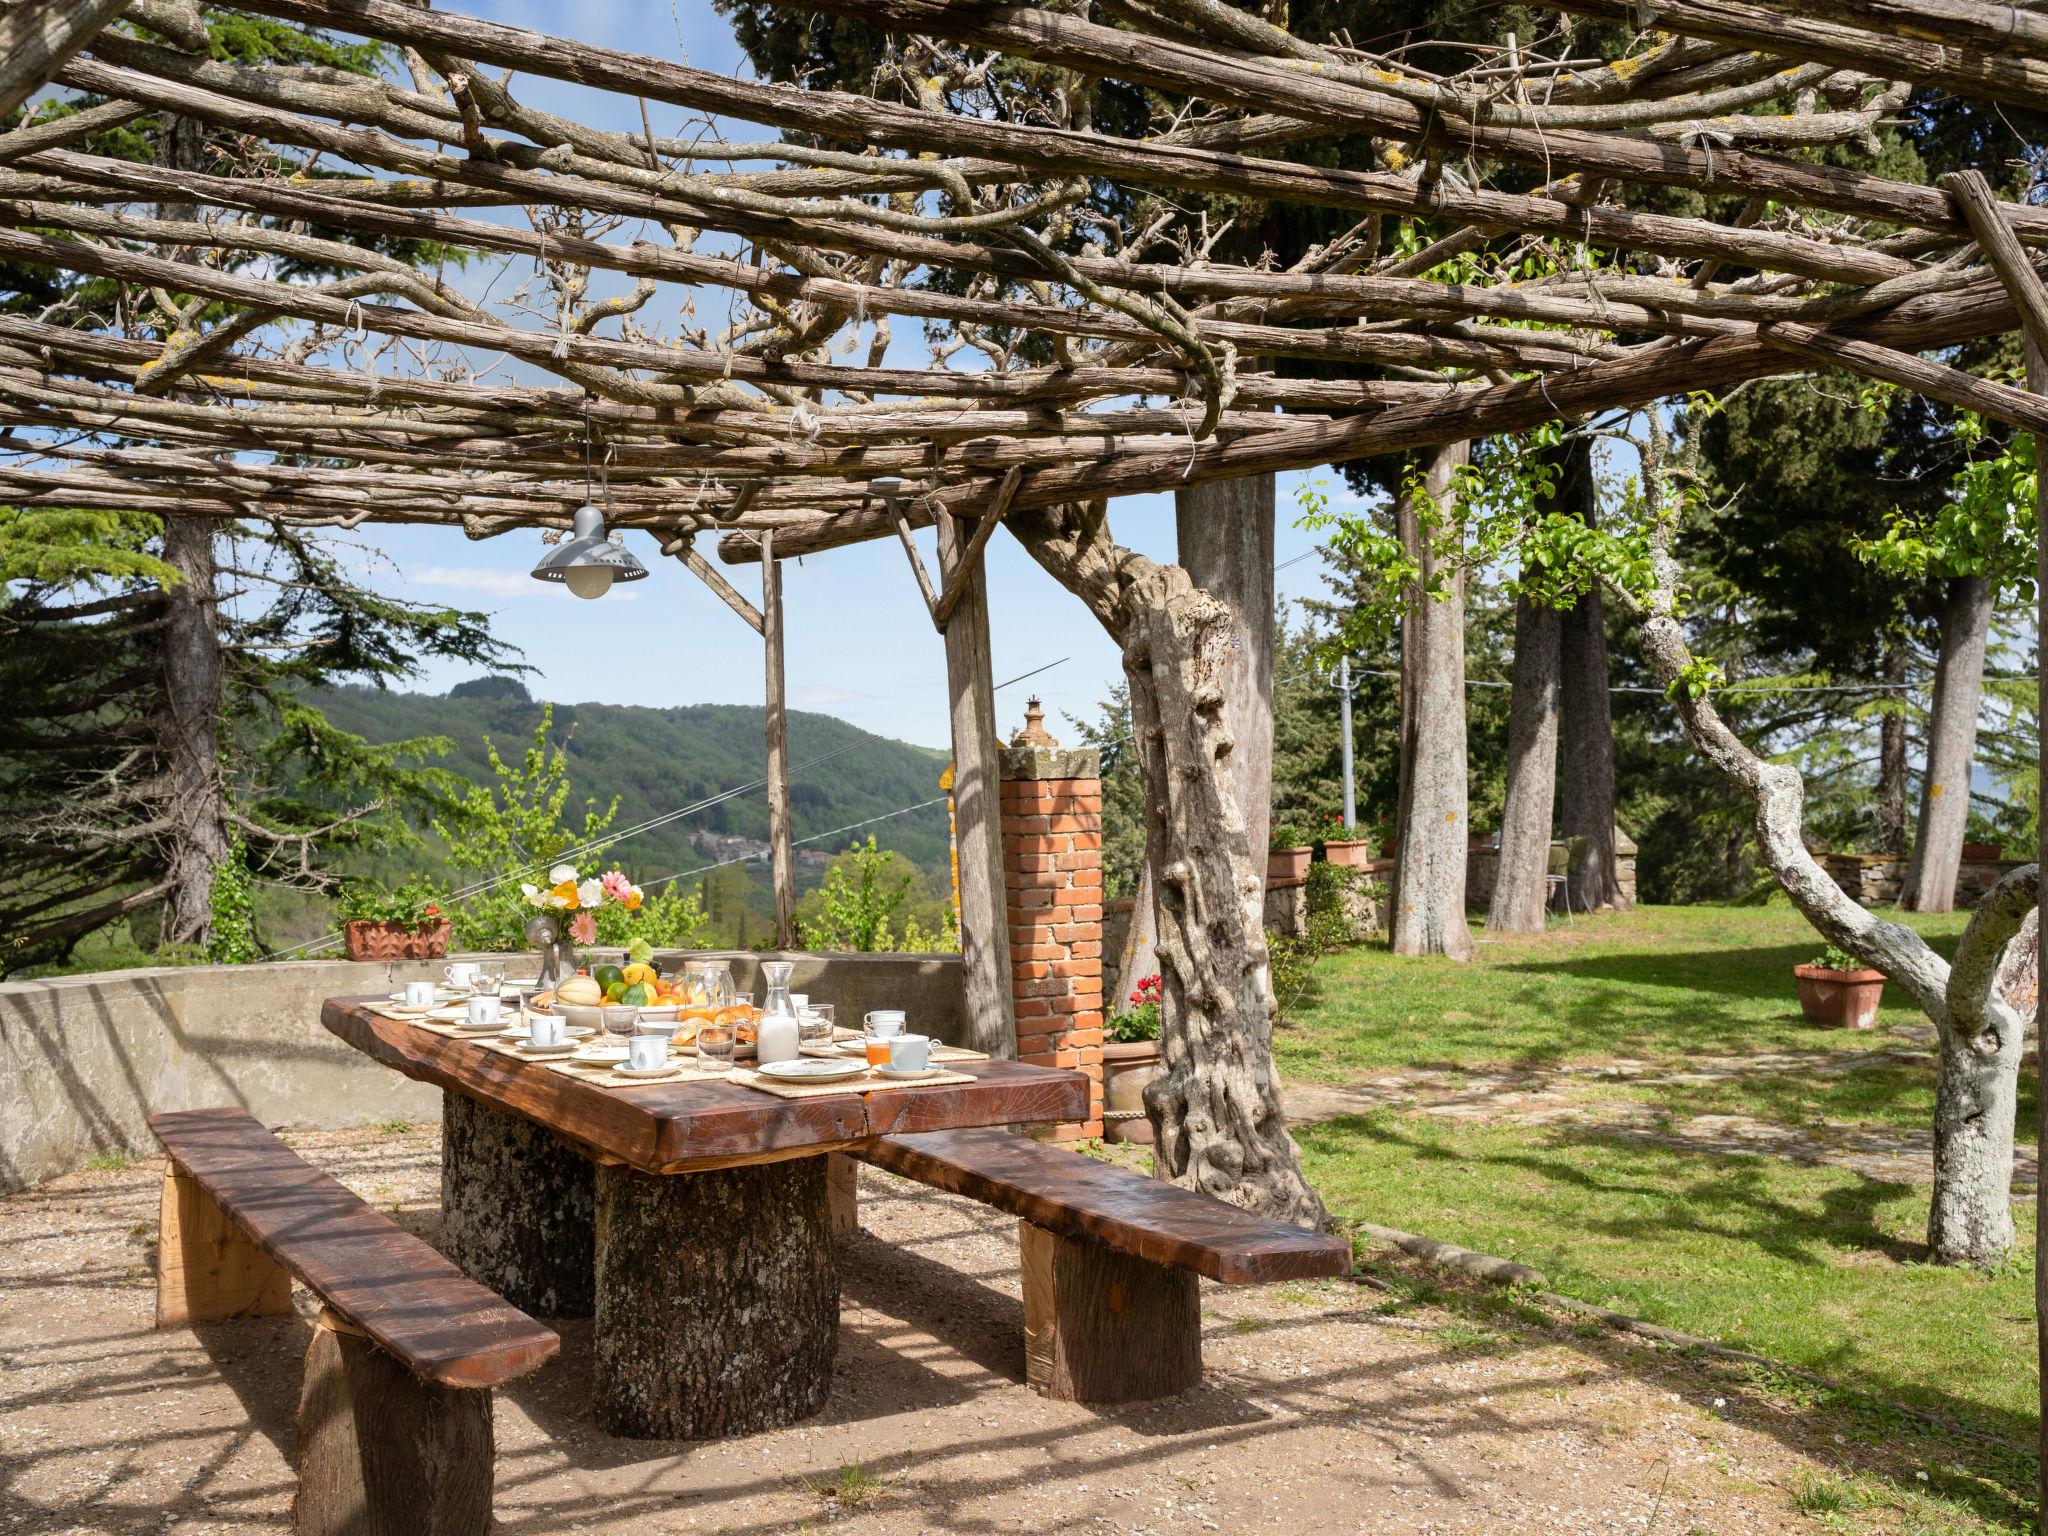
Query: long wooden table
column 694, row 1219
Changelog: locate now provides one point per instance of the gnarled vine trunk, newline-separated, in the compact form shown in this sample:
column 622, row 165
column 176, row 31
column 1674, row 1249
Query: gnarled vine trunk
column 1428, row 901
column 1951, row 747
column 1224, row 531
column 1215, row 1106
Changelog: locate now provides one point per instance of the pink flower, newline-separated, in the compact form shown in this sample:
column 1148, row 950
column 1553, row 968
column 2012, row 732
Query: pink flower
column 617, row 886
column 583, row 927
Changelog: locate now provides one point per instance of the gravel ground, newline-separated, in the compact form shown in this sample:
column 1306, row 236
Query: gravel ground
column 1326, row 1407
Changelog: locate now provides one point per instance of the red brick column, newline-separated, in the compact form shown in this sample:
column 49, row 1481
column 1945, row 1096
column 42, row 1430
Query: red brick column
column 1052, row 872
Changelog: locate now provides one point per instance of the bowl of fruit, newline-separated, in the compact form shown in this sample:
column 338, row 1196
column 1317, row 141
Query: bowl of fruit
column 616, row 997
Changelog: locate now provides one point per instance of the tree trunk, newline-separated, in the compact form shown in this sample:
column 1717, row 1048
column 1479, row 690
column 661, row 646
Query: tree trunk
column 517, row 1209
column 1586, row 733
column 188, row 731
column 1225, row 536
column 194, row 793
column 1428, row 902
column 1215, row 1106
column 1951, row 747
column 1891, row 750
column 1521, row 888
column 717, row 1300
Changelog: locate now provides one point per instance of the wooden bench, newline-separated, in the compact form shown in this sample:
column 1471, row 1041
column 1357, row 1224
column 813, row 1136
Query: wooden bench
column 1110, row 1258
column 395, row 1411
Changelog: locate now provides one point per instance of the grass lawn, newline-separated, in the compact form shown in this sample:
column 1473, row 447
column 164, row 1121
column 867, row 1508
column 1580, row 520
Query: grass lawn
column 1815, row 1267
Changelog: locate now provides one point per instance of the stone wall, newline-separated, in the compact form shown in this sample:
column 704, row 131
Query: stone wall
column 88, row 1058
column 1052, row 876
column 1877, row 880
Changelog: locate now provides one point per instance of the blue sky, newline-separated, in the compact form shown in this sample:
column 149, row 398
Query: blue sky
column 860, row 644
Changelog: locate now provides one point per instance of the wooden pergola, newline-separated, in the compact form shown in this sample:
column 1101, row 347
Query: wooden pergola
column 1086, row 343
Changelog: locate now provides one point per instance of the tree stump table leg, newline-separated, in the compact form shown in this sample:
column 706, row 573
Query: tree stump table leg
column 383, row 1453
column 1104, row 1327
column 517, row 1209
column 842, row 1183
column 717, row 1300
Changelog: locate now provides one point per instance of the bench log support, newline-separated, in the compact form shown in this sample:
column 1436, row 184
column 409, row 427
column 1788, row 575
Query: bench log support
column 517, row 1209
column 842, row 1188
column 1104, row 1327
column 382, row 1452
column 206, row 1268
column 717, row 1300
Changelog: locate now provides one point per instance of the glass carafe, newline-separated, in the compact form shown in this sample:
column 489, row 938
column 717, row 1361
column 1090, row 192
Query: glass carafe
column 780, row 1031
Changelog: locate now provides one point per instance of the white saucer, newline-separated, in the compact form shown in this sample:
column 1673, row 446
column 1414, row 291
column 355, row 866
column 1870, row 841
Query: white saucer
column 643, row 1073
column 519, row 1032
column 850, row 1047
column 442, row 995
column 529, row 1049
column 495, row 1027
column 906, row 1075
column 600, row 1054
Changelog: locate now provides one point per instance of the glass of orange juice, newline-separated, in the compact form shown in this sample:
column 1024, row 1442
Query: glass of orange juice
column 878, row 1029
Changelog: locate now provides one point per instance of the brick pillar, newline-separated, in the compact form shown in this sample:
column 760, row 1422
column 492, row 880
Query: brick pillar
column 1052, row 873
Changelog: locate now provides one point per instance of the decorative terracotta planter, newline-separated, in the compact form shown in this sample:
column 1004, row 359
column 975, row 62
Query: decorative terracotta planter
column 1350, row 852
column 1287, row 866
column 395, row 941
column 1126, row 1069
column 1839, row 999
column 1983, row 853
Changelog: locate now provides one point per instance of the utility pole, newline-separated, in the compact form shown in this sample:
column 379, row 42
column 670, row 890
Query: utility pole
column 1344, row 715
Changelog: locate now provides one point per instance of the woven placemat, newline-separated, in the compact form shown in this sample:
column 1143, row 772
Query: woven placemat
column 597, row 1073
column 939, row 1052
column 867, row 1082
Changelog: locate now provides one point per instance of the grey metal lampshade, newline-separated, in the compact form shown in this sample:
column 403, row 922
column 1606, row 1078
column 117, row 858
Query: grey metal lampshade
column 588, row 562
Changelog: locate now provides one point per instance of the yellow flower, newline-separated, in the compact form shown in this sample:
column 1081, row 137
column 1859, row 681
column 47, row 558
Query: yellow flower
column 564, row 894
column 632, row 901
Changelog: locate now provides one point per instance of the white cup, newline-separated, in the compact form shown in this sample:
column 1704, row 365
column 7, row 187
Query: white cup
column 886, row 1021
column 644, row 1053
column 545, row 1029
column 483, row 1009
column 799, row 1001
column 419, row 994
column 461, row 974
column 910, row 1053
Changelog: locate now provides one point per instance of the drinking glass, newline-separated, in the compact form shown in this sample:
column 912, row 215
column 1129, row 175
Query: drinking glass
column 816, row 1024
column 879, row 1031
column 715, row 1041
column 490, row 978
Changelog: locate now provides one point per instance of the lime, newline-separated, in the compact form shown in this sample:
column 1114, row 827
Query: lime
column 608, row 976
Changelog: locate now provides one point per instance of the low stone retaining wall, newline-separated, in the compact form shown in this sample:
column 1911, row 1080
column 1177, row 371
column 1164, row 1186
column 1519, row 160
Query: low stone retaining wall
column 1878, row 880
column 89, row 1058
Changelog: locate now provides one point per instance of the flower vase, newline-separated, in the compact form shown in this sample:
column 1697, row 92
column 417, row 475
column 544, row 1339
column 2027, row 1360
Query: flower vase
column 558, row 958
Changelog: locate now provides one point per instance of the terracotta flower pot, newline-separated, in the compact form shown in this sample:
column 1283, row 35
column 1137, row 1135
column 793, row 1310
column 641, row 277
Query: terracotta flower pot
column 394, row 941
column 1350, row 852
column 1839, row 999
column 1983, row 853
column 1126, row 1069
column 1287, row 866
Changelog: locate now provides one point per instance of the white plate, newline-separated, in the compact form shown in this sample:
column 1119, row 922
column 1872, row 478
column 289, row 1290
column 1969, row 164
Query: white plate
column 602, row 1053
column 441, row 995
column 851, row 1047
column 464, row 1027
column 547, row 1050
column 904, row 1075
column 573, row 1031
column 672, row 1069
column 810, row 1069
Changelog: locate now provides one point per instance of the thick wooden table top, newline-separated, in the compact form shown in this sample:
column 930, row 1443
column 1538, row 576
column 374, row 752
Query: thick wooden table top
column 674, row 1127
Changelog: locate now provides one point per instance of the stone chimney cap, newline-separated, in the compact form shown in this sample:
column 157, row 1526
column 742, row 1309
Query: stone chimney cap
column 1034, row 733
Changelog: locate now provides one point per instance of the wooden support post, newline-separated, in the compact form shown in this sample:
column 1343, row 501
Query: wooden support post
column 205, row 1267
column 842, row 1190
column 383, row 1452
column 781, row 853
column 977, row 800
column 1103, row 1327
column 717, row 1300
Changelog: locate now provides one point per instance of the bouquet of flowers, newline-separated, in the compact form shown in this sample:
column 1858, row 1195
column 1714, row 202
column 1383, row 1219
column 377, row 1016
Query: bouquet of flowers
column 572, row 904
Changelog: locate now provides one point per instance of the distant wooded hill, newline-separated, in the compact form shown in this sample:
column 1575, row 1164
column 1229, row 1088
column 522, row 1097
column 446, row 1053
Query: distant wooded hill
column 657, row 760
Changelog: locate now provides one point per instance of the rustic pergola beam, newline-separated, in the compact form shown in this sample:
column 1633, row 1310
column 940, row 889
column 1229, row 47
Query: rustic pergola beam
column 1937, row 381
column 966, row 569
column 37, row 36
column 2001, row 248
column 710, row 575
column 924, row 580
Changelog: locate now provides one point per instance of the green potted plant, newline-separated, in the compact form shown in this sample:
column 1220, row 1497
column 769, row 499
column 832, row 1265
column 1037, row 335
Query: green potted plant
column 1347, row 850
column 392, row 923
column 1130, row 1060
column 1839, row 991
column 1288, row 852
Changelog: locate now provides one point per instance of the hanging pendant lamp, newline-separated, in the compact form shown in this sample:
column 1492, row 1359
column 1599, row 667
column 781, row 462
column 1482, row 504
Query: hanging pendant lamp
column 588, row 562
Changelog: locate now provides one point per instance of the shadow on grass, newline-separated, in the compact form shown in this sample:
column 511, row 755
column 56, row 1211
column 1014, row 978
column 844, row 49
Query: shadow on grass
column 1654, row 1206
